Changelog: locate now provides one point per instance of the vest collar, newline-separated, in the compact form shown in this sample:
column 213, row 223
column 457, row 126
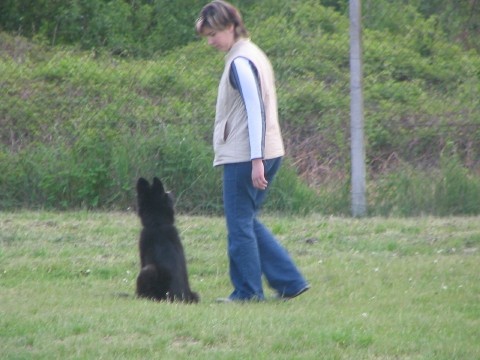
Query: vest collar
column 236, row 46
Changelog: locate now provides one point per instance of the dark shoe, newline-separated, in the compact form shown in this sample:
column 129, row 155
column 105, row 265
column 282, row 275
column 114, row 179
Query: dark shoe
column 288, row 297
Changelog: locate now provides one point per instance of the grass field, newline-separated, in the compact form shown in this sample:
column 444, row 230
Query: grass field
column 381, row 289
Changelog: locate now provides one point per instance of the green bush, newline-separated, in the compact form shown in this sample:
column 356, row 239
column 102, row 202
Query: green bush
column 126, row 28
column 457, row 191
column 78, row 127
column 408, row 191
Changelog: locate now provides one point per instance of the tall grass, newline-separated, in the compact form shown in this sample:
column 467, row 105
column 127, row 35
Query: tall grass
column 100, row 172
column 381, row 289
column 446, row 190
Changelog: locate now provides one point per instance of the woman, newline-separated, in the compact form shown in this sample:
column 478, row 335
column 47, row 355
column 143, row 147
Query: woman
column 248, row 144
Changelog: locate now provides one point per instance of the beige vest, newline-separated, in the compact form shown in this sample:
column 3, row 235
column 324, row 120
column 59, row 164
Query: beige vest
column 230, row 137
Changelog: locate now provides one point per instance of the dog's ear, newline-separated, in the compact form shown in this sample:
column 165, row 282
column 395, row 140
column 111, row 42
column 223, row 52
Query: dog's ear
column 157, row 185
column 142, row 186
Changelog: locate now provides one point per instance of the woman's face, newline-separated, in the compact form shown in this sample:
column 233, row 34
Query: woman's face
column 222, row 40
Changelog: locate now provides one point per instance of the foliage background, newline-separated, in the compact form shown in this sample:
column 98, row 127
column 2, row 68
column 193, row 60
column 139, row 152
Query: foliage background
column 94, row 94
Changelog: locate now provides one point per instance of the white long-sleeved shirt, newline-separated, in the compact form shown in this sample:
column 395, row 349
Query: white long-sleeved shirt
column 244, row 78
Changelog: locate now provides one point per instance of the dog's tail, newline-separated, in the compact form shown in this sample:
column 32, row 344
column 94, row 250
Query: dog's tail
column 153, row 283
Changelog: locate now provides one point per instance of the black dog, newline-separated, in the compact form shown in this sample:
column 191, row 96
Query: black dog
column 163, row 275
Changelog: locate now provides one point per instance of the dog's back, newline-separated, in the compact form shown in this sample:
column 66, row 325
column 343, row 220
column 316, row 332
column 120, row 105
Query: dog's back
column 163, row 274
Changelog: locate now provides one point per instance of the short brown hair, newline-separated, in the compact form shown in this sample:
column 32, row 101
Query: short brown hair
column 218, row 15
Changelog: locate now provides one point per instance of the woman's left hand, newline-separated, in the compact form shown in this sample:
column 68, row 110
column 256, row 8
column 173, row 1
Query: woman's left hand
column 258, row 174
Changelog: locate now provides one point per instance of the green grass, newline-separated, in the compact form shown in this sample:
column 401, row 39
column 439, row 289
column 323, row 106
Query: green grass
column 381, row 289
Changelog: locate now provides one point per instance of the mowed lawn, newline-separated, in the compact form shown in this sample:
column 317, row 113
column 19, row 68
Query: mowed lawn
column 381, row 289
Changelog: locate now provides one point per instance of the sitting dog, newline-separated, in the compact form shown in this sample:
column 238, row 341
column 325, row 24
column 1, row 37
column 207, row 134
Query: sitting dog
column 163, row 275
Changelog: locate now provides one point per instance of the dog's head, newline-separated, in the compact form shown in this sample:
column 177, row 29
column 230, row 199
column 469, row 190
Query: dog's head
column 155, row 205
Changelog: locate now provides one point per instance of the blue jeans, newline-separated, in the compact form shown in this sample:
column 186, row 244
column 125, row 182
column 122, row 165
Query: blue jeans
column 252, row 248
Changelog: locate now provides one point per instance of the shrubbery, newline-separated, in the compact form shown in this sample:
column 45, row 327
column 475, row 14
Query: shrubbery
column 78, row 127
column 125, row 28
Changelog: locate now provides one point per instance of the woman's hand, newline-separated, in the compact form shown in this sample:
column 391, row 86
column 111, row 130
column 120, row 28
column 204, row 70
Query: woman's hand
column 258, row 174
